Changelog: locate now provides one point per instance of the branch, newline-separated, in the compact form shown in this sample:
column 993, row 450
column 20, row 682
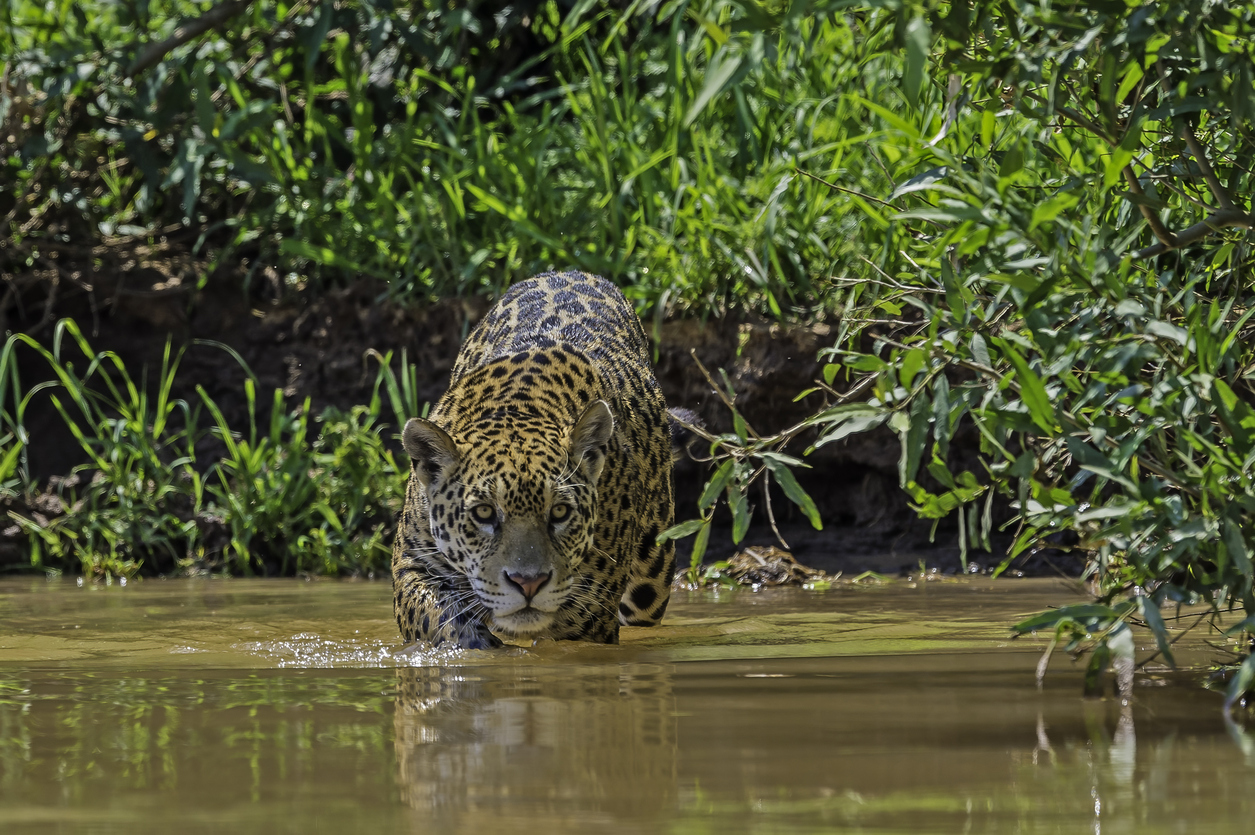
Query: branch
column 843, row 188
column 1191, row 141
column 186, row 31
column 1221, row 219
column 1166, row 236
column 1075, row 116
column 1213, row 182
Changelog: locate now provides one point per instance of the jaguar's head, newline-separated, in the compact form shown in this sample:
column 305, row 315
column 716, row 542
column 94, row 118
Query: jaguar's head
column 512, row 504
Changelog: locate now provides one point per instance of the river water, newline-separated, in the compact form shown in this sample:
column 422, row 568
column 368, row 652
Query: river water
column 289, row 706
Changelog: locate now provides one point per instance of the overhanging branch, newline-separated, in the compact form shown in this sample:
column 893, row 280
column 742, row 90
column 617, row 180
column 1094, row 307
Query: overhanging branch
column 1166, row 237
column 186, row 31
column 1222, row 219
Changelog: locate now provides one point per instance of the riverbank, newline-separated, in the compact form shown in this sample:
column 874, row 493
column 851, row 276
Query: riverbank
column 324, row 352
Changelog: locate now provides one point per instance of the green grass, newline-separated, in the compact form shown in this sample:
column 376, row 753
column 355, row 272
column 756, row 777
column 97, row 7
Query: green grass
column 297, row 494
column 662, row 150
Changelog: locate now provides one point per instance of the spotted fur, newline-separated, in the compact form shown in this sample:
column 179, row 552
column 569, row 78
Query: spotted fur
column 542, row 478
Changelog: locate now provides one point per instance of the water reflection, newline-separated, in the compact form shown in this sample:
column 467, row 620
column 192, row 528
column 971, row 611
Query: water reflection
column 889, row 710
column 1179, row 777
column 560, row 747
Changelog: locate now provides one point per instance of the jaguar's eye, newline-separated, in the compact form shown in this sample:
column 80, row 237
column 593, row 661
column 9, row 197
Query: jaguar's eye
column 559, row 512
column 484, row 512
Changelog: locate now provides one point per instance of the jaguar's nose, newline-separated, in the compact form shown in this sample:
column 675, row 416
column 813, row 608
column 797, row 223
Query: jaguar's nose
column 529, row 584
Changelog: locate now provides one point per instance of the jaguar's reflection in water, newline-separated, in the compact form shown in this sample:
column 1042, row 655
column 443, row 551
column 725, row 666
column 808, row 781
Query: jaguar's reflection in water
column 570, row 745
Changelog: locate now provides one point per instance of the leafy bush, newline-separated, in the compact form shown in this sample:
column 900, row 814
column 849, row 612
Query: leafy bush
column 1067, row 269
column 140, row 500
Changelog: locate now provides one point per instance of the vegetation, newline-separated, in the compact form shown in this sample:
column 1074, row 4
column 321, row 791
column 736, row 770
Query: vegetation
column 305, row 494
column 1067, row 269
column 1030, row 219
column 448, row 152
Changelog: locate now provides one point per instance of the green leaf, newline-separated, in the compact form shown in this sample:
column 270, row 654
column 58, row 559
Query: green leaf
column 700, row 544
column 318, row 254
column 980, row 351
column 717, row 482
column 988, row 124
column 1150, row 613
column 1235, row 544
column 681, row 530
column 1080, row 612
column 1132, row 74
column 941, row 414
column 914, row 436
column 784, row 477
column 718, row 74
column 918, row 39
column 1240, row 684
column 920, row 182
column 1165, row 330
column 849, row 426
column 868, row 363
column 1052, row 208
column 1032, row 392
column 8, row 462
column 912, row 363
column 739, row 504
column 1236, row 416
column 1012, row 162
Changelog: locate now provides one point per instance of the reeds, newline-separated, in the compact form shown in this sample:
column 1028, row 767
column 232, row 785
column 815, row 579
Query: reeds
column 297, row 494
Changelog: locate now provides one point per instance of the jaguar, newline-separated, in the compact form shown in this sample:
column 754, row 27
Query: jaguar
column 540, row 481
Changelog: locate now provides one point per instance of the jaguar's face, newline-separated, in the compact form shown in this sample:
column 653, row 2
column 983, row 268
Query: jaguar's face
column 514, row 512
column 523, row 539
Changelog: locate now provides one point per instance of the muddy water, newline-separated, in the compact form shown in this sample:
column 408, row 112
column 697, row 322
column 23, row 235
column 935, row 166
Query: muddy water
column 282, row 706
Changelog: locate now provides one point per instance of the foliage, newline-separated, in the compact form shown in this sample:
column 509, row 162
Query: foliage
column 307, row 496
column 743, row 457
column 324, row 507
column 659, row 145
column 1068, row 271
column 143, row 490
column 12, row 435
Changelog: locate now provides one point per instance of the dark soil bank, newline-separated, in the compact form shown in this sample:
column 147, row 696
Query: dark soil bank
column 317, row 348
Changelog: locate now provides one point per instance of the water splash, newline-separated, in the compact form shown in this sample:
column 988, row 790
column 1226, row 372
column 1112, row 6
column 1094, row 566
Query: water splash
column 310, row 651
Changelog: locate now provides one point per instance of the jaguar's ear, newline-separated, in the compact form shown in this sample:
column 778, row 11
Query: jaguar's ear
column 430, row 448
column 589, row 437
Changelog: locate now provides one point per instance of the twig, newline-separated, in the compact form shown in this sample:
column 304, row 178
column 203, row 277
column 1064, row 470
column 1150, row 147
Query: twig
column 153, row 53
column 1196, row 150
column 1221, row 219
column 1226, row 217
column 771, row 515
column 727, row 401
column 1166, row 237
column 1076, row 117
column 1184, row 632
column 891, row 284
column 836, row 187
column 1213, row 182
column 1166, row 182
